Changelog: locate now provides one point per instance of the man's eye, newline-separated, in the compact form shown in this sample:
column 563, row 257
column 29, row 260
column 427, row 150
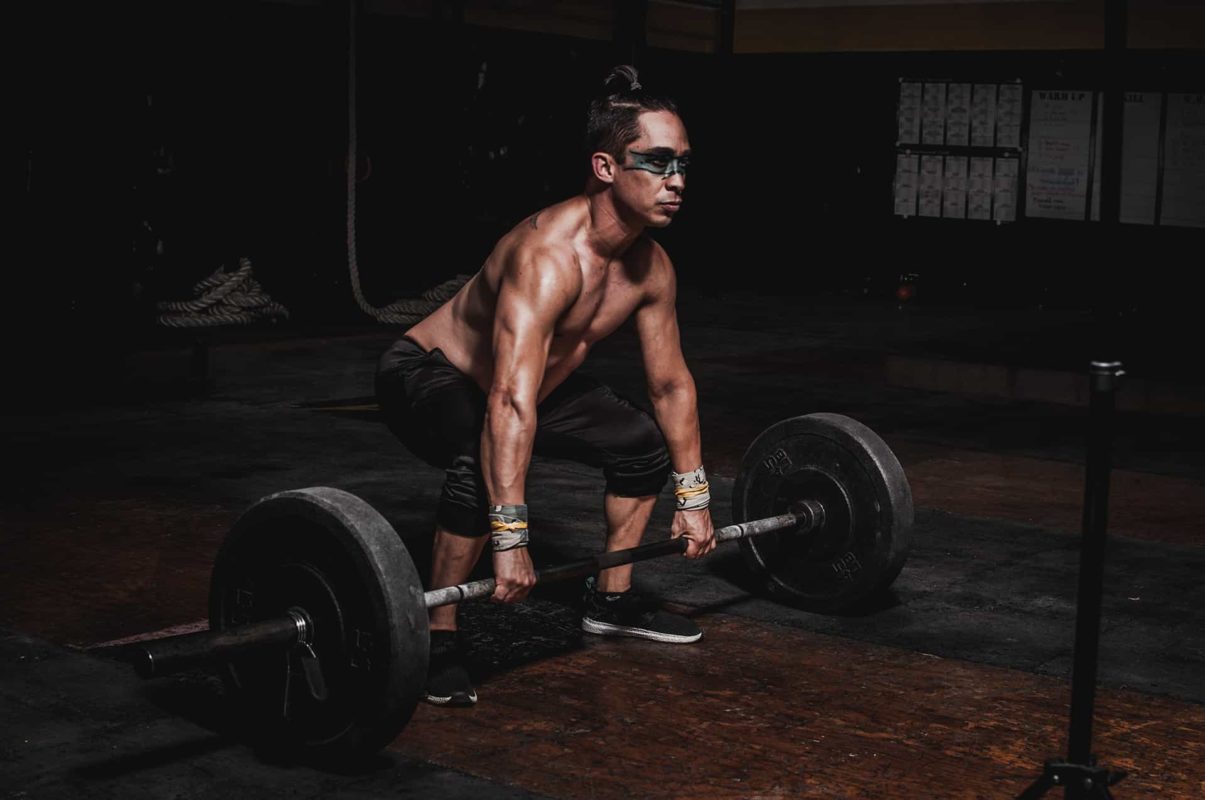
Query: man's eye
column 659, row 163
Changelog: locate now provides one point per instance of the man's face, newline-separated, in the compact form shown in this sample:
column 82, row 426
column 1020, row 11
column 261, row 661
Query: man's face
column 652, row 177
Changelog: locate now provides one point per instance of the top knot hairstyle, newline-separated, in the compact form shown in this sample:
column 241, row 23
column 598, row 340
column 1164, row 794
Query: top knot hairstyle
column 613, row 123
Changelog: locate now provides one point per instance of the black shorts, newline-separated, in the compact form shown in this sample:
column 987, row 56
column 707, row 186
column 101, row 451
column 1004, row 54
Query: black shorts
column 437, row 412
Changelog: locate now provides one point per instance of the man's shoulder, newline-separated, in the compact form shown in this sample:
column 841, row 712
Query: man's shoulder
column 554, row 220
column 545, row 252
column 542, row 261
column 545, row 234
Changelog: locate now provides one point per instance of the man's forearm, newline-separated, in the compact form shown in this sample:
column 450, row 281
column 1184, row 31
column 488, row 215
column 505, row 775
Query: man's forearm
column 677, row 412
column 506, row 442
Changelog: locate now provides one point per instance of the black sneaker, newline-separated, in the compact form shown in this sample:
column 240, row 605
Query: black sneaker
column 634, row 614
column 447, row 679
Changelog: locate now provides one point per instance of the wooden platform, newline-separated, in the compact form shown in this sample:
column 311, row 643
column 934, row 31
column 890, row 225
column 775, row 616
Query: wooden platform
column 761, row 711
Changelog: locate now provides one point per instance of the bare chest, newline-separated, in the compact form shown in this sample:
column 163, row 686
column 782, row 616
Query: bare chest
column 602, row 307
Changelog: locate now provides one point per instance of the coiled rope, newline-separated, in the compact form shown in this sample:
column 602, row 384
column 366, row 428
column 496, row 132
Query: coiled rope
column 225, row 298
column 237, row 299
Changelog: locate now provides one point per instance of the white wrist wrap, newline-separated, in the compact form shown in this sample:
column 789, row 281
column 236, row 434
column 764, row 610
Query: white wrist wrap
column 692, row 490
column 508, row 526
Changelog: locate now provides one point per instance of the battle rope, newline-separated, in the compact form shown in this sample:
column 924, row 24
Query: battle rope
column 225, row 298
column 404, row 312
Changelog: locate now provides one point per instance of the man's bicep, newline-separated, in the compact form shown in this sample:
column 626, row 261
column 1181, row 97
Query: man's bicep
column 660, row 343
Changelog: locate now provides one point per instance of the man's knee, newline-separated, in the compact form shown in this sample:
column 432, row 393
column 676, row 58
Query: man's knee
column 640, row 460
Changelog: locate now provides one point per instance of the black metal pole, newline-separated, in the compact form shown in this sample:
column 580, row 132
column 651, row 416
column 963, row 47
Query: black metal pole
column 1113, row 118
column 1079, row 775
column 1105, row 378
column 1109, row 293
column 727, row 43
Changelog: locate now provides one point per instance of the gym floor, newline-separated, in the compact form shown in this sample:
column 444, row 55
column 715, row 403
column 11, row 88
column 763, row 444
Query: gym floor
column 118, row 492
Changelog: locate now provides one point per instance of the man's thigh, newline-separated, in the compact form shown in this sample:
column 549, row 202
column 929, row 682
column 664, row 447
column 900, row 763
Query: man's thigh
column 586, row 421
column 433, row 408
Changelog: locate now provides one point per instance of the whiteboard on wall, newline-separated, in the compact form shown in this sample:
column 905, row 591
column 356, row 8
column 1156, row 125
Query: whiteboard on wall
column 1140, row 157
column 1060, row 154
column 1183, row 198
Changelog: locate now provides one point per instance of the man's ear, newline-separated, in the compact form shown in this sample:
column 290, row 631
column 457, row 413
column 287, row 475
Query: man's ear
column 603, row 166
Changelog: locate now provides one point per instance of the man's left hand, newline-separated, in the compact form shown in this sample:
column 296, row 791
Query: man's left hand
column 696, row 527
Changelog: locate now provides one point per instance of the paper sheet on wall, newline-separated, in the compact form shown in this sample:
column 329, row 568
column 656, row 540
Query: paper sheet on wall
column 933, row 116
column 954, row 189
column 1184, row 161
column 1008, row 115
column 983, row 115
column 907, row 181
column 958, row 114
column 1004, row 190
column 930, row 185
column 909, row 113
column 1056, row 180
column 1140, row 157
column 979, row 189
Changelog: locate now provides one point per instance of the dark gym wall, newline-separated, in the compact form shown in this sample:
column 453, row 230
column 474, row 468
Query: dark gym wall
column 461, row 132
column 1022, row 25
column 464, row 129
column 827, row 123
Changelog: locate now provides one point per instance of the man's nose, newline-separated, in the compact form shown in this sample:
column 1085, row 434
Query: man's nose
column 676, row 181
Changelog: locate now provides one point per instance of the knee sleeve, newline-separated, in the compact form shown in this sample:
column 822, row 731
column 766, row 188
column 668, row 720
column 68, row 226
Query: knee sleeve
column 462, row 501
column 639, row 464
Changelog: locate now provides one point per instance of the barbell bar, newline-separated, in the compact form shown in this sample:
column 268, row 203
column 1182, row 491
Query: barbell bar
column 805, row 517
column 319, row 618
column 177, row 653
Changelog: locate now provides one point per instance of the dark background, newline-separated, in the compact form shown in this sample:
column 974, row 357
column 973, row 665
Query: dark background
column 220, row 130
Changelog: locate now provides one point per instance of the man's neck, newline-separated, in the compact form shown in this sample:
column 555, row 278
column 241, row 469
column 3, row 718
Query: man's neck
column 608, row 234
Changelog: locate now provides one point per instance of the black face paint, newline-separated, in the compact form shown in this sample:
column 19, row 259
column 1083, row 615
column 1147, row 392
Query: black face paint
column 660, row 161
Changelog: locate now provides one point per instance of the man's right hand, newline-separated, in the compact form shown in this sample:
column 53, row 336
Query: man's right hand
column 514, row 575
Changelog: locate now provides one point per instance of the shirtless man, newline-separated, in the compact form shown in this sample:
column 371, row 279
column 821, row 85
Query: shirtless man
column 489, row 378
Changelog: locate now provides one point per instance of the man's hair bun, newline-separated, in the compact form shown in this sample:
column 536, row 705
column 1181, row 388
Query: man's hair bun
column 623, row 80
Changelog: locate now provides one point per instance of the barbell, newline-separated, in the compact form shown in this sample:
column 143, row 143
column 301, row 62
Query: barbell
column 319, row 617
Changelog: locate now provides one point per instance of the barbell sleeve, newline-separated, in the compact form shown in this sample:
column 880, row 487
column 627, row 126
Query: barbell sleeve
column 175, row 653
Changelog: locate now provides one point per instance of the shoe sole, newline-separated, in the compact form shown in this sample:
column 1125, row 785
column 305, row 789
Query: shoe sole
column 607, row 629
column 459, row 700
